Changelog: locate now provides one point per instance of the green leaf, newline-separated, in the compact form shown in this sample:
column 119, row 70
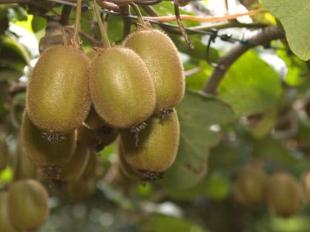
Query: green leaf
column 251, row 85
column 273, row 150
column 295, row 18
column 13, row 55
column 38, row 23
column 197, row 80
column 200, row 120
column 115, row 28
column 217, row 186
column 297, row 70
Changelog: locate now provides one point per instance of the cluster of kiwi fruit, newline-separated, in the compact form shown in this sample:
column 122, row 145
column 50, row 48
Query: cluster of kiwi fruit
column 78, row 103
column 281, row 192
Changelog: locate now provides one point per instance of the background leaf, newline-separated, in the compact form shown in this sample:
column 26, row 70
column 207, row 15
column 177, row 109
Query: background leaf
column 251, row 85
column 295, row 18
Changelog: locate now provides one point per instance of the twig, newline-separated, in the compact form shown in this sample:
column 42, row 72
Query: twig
column 13, row 1
column 104, row 36
column 17, row 88
column 108, row 5
column 264, row 36
column 204, row 19
column 230, row 24
column 180, row 24
column 124, row 10
column 77, row 22
column 91, row 39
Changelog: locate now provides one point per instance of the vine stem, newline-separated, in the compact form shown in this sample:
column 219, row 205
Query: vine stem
column 77, row 22
column 224, row 63
column 104, row 36
column 139, row 14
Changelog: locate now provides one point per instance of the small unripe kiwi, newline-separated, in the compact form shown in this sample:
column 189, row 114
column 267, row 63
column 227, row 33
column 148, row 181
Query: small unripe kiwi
column 57, row 94
column 283, row 194
column 5, row 223
column 27, row 204
column 249, row 187
column 121, row 88
column 46, row 150
column 162, row 60
column 155, row 149
column 4, row 154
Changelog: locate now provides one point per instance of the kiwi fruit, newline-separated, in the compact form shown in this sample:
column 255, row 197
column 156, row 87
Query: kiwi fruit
column 5, row 223
column 23, row 167
column 57, row 95
column 87, row 137
column 81, row 190
column 74, row 169
column 48, row 151
column 124, row 168
column 4, row 154
column 249, row 187
column 93, row 120
column 85, row 186
column 155, row 149
column 90, row 169
column 163, row 63
column 27, row 204
column 283, row 194
column 97, row 139
column 107, row 135
column 121, row 88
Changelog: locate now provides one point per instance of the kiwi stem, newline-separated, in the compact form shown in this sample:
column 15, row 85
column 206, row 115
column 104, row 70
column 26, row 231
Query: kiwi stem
column 139, row 14
column 77, row 22
column 103, row 32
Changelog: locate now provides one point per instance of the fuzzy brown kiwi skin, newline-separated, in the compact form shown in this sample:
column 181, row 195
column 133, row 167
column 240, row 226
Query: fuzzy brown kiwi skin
column 155, row 149
column 28, row 204
column 121, row 88
column 93, row 120
column 249, row 187
column 58, row 97
column 23, row 167
column 5, row 223
column 73, row 169
column 284, row 194
column 47, row 153
column 164, row 65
